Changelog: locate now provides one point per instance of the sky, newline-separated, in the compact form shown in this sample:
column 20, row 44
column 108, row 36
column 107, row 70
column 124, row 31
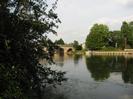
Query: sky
column 78, row 16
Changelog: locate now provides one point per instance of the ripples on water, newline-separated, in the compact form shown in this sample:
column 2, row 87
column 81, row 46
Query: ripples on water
column 95, row 77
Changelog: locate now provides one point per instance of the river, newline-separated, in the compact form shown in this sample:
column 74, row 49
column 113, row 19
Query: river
column 93, row 77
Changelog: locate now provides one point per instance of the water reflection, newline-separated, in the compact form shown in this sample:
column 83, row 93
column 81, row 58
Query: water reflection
column 76, row 58
column 59, row 59
column 98, row 67
column 115, row 74
column 49, row 93
column 127, row 70
column 101, row 67
column 53, row 93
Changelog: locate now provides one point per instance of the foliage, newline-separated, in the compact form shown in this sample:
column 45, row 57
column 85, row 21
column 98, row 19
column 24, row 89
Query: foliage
column 122, row 39
column 110, row 49
column 76, row 45
column 24, row 25
column 97, row 38
column 115, row 39
column 101, row 38
column 60, row 42
column 130, row 37
column 125, row 29
column 127, row 32
column 124, row 33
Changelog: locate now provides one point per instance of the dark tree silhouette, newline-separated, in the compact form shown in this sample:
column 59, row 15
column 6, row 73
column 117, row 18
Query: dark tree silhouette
column 24, row 25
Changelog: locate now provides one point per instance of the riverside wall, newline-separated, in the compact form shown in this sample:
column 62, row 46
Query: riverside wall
column 109, row 52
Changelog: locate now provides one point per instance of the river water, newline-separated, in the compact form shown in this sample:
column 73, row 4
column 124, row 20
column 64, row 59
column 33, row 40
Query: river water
column 93, row 77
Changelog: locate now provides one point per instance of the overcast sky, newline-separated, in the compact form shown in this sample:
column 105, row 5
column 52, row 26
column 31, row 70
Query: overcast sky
column 78, row 16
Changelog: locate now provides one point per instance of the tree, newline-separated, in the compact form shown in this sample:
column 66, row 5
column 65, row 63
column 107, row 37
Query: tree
column 127, row 34
column 130, row 37
column 24, row 25
column 76, row 45
column 124, row 33
column 114, row 39
column 97, row 37
column 60, row 42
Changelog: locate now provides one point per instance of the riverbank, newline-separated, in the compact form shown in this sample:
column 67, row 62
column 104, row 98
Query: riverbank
column 81, row 52
column 125, row 52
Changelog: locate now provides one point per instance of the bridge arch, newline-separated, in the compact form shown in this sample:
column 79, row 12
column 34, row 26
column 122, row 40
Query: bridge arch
column 67, row 48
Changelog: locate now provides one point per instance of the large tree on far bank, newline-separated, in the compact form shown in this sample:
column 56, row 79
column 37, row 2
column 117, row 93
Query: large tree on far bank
column 97, row 38
column 125, row 31
column 127, row 34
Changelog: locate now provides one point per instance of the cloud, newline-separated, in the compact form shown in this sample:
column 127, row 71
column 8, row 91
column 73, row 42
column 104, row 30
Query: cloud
column 128, row 3
column 114, row 23
column 78, row 16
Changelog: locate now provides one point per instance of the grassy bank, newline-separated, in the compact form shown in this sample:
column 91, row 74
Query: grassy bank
column 79, row 52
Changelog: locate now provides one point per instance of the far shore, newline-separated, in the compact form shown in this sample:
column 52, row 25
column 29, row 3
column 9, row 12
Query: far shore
column 124, row 52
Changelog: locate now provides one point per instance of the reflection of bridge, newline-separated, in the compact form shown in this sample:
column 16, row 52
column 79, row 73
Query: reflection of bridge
column 66, row 48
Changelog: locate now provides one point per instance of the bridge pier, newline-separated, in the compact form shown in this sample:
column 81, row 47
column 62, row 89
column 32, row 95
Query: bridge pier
column 67, row 48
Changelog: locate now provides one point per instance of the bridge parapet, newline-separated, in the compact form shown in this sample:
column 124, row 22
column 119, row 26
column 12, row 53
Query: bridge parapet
column 67, row 48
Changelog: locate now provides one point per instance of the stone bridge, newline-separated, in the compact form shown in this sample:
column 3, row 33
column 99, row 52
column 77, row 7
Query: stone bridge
column 66, row 48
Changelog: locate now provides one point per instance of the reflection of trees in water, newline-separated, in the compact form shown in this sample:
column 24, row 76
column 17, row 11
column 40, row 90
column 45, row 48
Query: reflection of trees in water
column 54, row 96
column 53, row 93
column 127, row 70
column 59, row 59
column 50, row 93
column 76, row 58
column 116, row 63
column 101, row 66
